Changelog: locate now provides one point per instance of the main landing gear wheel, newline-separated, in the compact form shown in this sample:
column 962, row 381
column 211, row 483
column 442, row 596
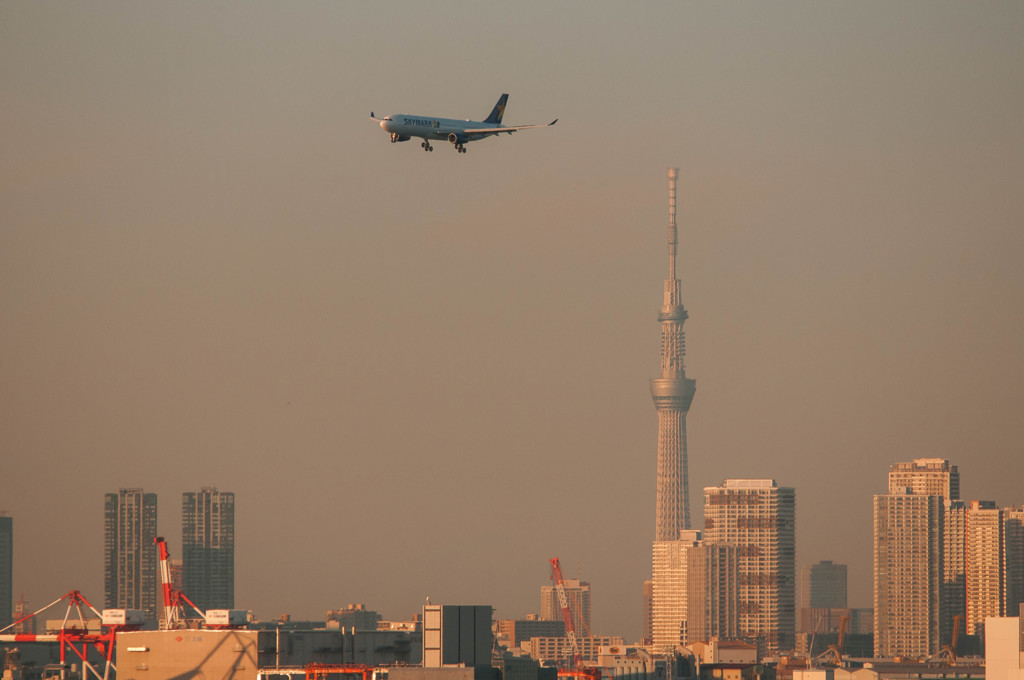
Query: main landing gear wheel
column 426, row 146
column 461, row 148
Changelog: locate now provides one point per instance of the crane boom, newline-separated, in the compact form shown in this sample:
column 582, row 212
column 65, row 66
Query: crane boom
column 563, row 602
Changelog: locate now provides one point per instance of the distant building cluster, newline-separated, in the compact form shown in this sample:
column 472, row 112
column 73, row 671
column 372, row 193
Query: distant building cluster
column 942, row 565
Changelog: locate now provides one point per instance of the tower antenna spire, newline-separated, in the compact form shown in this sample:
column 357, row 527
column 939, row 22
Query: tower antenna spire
column 672, row 236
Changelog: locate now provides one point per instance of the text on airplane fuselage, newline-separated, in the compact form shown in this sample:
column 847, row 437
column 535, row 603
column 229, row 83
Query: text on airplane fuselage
column 420, row 122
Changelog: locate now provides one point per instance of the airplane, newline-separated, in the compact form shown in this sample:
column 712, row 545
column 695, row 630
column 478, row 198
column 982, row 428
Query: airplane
column 459, row 132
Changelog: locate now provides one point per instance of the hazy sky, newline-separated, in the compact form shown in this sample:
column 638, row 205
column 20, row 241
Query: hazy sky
column 425, row 374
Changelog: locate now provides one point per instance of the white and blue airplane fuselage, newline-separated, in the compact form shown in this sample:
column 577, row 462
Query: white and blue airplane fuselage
column 457, row 132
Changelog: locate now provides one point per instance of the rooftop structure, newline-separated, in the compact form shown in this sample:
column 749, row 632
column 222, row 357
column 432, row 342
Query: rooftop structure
column 927, row 477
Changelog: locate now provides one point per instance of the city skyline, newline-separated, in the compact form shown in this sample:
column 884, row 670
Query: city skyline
column 215, row 270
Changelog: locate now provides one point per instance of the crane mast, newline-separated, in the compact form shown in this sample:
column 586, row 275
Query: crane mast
column 563, row 602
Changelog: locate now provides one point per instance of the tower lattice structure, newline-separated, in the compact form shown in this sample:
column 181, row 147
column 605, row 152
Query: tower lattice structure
column 672, row 393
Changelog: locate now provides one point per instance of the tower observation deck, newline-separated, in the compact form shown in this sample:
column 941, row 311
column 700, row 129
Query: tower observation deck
column 672, row 393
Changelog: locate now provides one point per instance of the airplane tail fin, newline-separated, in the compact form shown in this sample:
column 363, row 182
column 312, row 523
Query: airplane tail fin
column 498, row 111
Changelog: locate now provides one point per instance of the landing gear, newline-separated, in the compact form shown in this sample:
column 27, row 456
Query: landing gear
column 461, row 148
column 426, row 146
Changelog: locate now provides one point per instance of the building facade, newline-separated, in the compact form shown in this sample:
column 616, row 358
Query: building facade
column 1013, row 559
column 130, row 555
column 823, row 585
column 758, row 517
column 513, row 633
column 208, row 548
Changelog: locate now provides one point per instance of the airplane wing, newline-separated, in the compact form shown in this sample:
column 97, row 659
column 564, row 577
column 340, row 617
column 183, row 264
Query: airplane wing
column 471, row 132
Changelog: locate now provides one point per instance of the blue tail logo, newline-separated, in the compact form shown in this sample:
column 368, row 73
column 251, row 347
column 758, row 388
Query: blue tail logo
column 498, row 111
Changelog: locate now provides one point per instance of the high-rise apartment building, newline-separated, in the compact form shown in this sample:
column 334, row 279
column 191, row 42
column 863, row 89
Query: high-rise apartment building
column 669, row 590
column 577, row 593
column 130, row 556
column 6, row 569
column 984, row 564
column 919, row 558
column 712, row 603
column 208, row 548
column 672, row 392
column 822, row 590
column 823, row 585
column 758, row 517
column 953, row 598
column 907, row 574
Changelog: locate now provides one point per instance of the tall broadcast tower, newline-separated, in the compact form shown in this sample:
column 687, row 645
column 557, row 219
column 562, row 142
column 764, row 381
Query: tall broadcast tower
column 672, row 393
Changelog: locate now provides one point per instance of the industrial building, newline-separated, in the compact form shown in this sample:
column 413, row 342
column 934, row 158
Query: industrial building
column 243, row 654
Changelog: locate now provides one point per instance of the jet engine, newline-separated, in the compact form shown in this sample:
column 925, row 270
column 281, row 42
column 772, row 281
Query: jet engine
column 456, row 138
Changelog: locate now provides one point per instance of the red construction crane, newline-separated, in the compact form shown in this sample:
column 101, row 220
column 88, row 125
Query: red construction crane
column 174, row 607
column 563, row 602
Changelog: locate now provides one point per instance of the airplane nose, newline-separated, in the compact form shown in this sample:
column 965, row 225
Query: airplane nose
column 384, row 125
